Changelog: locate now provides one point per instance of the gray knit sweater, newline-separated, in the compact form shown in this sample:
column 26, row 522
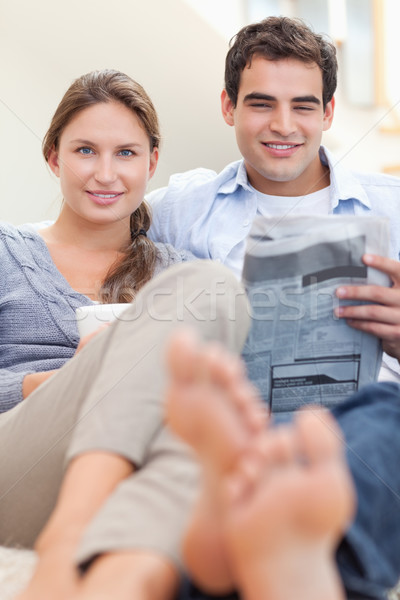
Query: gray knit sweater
column 37, row 309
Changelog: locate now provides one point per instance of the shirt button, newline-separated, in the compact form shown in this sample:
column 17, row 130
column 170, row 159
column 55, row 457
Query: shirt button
column 246, row 223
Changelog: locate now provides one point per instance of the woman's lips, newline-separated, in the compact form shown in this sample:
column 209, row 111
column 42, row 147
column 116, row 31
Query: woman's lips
column 104, row 198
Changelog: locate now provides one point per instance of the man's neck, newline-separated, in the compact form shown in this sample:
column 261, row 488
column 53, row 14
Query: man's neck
column 316, row 178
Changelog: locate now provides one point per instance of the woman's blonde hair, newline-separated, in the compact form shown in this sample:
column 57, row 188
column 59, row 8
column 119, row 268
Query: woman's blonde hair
column 127, row 276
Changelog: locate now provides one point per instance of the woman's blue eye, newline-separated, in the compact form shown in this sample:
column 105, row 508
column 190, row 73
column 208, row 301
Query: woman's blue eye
column 85, row 150
column 126, row 153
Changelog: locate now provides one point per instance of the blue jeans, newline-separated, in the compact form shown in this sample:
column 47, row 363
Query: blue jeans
column 368, row 557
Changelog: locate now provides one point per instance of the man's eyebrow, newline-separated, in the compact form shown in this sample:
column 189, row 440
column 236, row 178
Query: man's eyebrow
column 311, row 98
column 258, row 96
column 266, row 97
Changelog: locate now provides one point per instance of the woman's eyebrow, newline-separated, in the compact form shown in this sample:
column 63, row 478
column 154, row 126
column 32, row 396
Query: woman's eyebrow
column 92, row 143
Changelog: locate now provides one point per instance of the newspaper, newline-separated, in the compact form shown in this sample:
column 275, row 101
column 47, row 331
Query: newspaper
column 298, row 351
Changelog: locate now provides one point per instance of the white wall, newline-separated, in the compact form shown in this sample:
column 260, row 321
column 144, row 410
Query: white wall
column 391, row 53
column 45, row 44
column 172, row 50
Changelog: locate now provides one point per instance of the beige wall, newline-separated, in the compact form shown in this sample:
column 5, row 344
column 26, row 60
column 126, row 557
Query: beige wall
column 45, row 44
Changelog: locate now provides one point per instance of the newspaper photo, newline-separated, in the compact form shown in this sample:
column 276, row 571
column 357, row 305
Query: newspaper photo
column 298, row 350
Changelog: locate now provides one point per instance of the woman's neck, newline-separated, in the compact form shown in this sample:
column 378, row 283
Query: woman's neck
column 70, row 230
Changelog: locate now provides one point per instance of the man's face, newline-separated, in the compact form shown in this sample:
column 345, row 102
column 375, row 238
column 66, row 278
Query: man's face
column 279, row 119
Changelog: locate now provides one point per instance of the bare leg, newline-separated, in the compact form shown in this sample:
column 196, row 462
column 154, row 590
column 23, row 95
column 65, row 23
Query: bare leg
column 130, row 574
column 121, row 575
column 212, row 406
column 286, row 508
column 95, row 475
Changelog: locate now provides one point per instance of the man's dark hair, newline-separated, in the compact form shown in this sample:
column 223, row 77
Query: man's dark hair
column 276, row 38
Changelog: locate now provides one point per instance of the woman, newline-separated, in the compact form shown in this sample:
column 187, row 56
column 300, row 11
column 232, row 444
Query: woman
column 118, row 509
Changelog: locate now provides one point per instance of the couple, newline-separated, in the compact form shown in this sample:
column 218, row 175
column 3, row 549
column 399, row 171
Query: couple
column 120, row 508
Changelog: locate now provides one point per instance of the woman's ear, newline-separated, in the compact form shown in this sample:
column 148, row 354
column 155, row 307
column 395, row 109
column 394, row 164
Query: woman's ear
column 52, row 161
column 153, row 162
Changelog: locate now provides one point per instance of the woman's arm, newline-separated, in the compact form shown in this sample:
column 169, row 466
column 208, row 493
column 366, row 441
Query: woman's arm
column 33, row 380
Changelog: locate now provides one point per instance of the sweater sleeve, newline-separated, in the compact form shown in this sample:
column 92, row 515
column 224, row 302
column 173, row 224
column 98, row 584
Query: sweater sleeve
column 11, row 388
column 168, row 256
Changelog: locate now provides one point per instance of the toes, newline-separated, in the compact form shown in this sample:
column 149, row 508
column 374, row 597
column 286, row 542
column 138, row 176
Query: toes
column 181, row 354
column 240, row 483
column 227, row 372
column 222, row 368
column 318, row 435
column 279, row 446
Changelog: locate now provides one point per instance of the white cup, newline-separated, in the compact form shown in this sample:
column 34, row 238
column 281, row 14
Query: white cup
column 89, row 318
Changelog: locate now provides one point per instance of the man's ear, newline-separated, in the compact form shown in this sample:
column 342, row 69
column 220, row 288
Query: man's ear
column 227, row 108
column 52, row 161
column 328, row 114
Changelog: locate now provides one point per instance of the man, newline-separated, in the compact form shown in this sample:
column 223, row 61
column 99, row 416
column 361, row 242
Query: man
column 280, row 78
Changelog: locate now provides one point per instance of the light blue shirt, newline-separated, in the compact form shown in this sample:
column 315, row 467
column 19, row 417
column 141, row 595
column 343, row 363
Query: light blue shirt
column 209, row 213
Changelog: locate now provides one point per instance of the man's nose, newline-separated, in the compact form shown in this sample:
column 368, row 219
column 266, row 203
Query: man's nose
column 282, row 121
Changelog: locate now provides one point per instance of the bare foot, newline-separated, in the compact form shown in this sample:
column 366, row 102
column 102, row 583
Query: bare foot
column 286, row 509
column 89, row 480
column 210, row 405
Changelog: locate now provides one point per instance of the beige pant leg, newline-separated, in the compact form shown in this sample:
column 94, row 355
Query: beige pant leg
column 34, row 438
column 125, row 405
column 109, row 396
column 149, row 510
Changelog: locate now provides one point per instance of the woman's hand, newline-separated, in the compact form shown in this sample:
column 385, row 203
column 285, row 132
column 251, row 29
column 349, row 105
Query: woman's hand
column 33, row 380
column 382, row 317
column 87, row 338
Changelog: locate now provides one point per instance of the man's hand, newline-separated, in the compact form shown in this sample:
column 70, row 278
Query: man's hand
column 382, row 318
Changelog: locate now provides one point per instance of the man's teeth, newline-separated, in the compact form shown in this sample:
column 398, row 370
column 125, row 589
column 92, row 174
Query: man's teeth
column 105, row 196
column 281, row 146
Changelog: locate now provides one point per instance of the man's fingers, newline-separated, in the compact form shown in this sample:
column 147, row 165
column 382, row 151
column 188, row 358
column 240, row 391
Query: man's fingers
column 389, row 334
column 370, row 293
column 386, row 265
column 382, row 330
column 389, row 315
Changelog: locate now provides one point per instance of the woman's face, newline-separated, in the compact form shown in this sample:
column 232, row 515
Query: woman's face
column 104, row 163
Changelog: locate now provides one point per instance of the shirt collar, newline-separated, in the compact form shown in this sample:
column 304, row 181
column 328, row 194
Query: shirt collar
column 344, row 185
column 235, row 177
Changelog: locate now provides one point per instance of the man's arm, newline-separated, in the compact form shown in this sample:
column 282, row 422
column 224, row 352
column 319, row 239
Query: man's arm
column 382, row 318
column 155, row 199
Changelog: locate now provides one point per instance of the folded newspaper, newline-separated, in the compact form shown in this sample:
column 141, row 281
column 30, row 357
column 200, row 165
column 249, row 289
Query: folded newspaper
column 298, row 351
